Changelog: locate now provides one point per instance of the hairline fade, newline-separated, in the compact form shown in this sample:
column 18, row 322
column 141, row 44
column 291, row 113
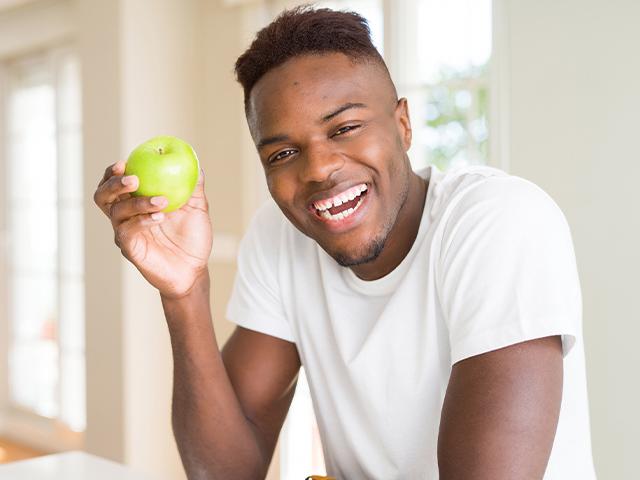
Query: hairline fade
column 302, row 31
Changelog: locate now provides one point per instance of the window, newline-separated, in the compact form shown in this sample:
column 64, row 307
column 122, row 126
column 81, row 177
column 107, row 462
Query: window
column 44, row 252
column 445, row 76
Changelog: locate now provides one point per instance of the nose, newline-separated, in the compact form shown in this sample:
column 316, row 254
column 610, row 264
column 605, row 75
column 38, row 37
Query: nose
column 320, row 162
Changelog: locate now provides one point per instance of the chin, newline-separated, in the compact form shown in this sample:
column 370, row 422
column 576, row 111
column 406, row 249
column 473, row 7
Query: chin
column 364, row 254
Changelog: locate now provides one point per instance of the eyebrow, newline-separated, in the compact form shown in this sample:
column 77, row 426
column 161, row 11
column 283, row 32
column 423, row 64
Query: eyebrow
column 282, row 138
column 339, row 110
column 269, row 140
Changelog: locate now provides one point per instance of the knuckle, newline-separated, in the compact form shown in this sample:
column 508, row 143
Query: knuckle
column 114, row 184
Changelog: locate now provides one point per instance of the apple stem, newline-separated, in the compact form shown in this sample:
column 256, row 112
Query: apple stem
column 160, row 150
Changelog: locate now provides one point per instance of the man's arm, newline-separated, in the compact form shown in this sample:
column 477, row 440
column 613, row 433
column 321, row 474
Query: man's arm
column 228, row 408
column 500, row 413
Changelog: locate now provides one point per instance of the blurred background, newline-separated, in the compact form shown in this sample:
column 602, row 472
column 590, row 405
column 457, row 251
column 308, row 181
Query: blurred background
column 546, row 90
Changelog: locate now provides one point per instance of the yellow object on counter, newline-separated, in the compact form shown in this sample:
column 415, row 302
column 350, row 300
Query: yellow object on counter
column 319, row 477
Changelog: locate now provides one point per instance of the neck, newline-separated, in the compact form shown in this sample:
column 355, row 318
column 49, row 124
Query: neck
column 402, row 234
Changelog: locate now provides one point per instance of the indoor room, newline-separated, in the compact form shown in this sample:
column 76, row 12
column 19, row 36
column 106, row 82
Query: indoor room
column 544, row 91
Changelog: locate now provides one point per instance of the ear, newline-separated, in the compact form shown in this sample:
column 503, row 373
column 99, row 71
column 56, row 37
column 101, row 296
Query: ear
column 403, row 122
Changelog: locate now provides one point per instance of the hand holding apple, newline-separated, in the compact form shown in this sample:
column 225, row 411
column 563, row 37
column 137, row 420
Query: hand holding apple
column 171, row 250
column 165, row 166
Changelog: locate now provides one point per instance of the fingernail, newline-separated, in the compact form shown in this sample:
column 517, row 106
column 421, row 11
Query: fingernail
column 158, row 201
column 129, row 180
column 157, row 216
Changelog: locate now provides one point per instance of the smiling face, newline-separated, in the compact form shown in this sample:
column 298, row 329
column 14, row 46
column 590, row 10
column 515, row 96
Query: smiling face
column 332, row 139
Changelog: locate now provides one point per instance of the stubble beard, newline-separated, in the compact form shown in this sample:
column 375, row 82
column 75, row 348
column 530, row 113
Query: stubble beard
column 367, row 254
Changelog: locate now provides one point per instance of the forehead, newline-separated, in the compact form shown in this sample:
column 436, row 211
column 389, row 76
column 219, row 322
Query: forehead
column 311, row 85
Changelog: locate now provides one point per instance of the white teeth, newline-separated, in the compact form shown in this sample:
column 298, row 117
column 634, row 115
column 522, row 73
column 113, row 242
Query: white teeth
column 341, row 198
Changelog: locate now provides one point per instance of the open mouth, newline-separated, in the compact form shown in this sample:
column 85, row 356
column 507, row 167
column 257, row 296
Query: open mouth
column 342, row 205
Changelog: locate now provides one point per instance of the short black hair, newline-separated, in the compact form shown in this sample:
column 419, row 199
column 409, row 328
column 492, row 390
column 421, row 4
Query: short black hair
column 305, row 30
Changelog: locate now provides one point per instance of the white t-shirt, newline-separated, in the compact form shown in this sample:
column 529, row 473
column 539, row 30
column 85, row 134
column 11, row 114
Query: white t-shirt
column 492, row 265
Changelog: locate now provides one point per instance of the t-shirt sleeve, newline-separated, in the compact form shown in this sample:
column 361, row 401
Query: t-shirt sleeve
column 507, row 270
column 255, row 301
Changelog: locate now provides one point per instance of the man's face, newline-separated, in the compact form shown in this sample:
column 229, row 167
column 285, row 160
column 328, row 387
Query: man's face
column 332, row 139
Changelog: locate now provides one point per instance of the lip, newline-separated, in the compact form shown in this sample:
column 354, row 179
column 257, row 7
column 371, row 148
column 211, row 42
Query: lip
column 342, row 225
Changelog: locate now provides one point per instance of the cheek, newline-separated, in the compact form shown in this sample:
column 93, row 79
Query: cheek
column 378, row 147
column 376, row 153
column 283, row 186
column 280, row 186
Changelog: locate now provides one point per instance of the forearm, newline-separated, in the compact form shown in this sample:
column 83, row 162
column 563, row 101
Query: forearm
column 214, row 437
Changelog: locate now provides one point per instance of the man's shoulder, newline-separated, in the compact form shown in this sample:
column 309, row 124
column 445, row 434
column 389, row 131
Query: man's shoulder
column 459, row 179
column 271, row 228
column 268, row 216
column 271, row 244
column 489, row 200
column 463, row 187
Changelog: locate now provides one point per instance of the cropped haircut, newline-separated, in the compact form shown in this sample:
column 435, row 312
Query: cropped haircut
column 305, row 30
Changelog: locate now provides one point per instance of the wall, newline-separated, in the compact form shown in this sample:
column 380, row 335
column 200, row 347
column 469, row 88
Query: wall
column 574, row 73
column 26, row 28
column 98, row 31
column 221, row 129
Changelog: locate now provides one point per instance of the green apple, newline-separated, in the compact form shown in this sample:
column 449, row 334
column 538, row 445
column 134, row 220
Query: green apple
column 164, row 166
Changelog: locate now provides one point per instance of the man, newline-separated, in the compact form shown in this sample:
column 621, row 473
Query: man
column 438, row 315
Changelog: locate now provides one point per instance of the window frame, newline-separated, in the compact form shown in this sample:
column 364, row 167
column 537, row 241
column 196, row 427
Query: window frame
column 16, row 421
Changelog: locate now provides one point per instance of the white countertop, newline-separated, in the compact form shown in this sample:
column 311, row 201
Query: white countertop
column 68, row 466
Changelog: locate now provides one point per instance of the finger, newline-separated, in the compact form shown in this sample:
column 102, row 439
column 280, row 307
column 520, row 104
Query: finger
column 113, row 190
column 123, row 210
column 127, row 234
column 114, row 169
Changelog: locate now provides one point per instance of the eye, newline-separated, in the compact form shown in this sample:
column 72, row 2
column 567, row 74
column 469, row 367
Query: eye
column 281, row 155
column 345, row 129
